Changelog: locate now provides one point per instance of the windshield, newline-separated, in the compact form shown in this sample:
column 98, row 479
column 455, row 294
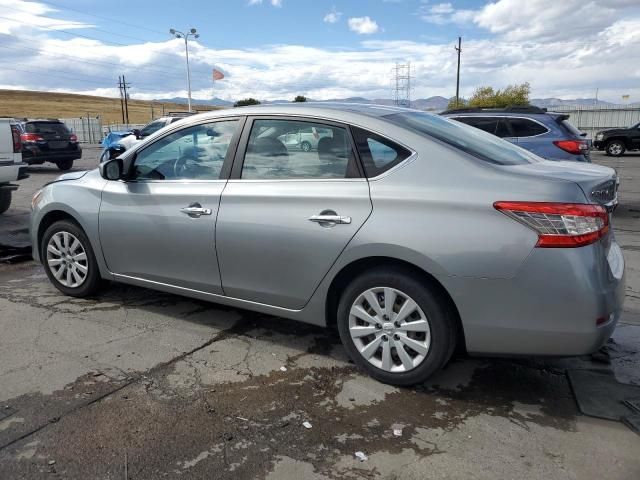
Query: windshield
column 56, row 128
column 482, row 145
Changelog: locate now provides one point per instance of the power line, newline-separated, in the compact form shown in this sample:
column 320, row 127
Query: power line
column 118, row 20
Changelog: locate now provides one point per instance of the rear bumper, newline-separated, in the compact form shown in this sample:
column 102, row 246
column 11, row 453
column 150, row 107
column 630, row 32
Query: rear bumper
column 35, row 155
column 562, row 302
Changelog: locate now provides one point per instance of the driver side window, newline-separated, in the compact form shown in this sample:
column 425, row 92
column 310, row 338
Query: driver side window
column 193, row 153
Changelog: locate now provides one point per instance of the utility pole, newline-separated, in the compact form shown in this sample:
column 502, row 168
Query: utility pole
column 459, row 50
column 121, row 101
column 125, row 85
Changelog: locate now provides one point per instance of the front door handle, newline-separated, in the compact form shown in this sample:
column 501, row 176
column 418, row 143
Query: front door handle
column 195, row 210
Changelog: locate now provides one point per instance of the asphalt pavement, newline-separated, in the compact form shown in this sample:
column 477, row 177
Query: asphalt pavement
column 141, row 384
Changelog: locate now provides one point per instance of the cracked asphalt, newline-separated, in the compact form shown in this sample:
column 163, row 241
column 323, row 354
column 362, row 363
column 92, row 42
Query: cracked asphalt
column 144, row 385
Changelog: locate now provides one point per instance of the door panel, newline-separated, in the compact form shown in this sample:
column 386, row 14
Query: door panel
column 145, row 234
column 270, row 252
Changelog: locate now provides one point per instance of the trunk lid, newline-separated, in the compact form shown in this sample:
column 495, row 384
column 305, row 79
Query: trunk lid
column 599, row 183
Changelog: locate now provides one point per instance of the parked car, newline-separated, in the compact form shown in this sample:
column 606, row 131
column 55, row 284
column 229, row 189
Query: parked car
column 116, row 143
column 615, row 141
column 51, row 141
column 547, row 134
column 410, row 232
column 306, row 139
column 11, row 166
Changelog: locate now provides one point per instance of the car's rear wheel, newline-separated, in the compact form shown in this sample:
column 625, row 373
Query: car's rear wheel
column 395, row 327
column 305, row 146
column 69, row 260
column 5, row 199
column 64, row 164
column 615, row 148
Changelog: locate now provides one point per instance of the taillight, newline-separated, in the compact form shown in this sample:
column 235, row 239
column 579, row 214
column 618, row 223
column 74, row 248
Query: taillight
column 560, row 224
column 17, row 143
column 73, row 138
column 31, row 137
column 575, row 147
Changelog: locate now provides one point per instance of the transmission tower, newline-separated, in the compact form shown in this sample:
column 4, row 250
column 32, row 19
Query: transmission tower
column 402, row 84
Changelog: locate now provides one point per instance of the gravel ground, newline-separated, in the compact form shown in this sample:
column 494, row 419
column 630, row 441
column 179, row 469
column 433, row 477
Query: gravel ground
column 140, row 384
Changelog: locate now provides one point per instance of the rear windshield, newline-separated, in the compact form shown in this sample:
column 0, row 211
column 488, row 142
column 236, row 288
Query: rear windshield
column 56, row 128
column 570, row 128
column 482, row 145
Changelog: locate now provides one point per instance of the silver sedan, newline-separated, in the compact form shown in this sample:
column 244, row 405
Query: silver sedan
column 412, row 234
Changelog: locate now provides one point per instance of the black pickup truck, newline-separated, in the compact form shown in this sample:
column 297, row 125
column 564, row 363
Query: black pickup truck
column 616, row 141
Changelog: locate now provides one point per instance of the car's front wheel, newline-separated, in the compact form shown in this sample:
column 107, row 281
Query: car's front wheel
column 615, row 148
column 395, row 326
column 69, row 260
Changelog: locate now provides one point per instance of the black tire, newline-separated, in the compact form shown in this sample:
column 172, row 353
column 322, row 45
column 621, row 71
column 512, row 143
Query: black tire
column 5, row 200
column 439, row 315
column 615, row 148
column 92, row 281
column 64, row 165
column 305, row 146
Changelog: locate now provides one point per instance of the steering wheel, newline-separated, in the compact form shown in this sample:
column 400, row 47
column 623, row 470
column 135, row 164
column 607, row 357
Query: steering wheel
column 180, row 166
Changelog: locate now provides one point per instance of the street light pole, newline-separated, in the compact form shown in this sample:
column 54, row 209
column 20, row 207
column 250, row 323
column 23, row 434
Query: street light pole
column 178, row 34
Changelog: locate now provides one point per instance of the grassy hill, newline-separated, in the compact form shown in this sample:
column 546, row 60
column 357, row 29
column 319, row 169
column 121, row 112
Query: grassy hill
column 24, row 103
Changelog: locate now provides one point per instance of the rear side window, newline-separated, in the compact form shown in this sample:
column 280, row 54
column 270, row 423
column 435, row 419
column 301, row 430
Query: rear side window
column 378, row 154
column 523, row 127
column 486, row 124
column 570, row 128
column 473, row 141
column 56, row 128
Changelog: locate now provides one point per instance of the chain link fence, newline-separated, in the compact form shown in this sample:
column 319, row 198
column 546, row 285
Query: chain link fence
column 87, row 129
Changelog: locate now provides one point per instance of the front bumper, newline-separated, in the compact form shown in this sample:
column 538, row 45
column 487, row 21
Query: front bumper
column 598, row 144
column 562, row 302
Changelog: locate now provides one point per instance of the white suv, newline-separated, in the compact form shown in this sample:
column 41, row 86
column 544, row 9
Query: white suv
column 11, row 166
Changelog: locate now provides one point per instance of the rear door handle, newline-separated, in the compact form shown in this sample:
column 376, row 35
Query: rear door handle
column 330, row 219
column 195, row 210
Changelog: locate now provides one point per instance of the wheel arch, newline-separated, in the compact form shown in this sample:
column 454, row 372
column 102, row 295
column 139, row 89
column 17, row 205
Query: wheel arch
column 625, row 141
column 350, row 271
column 49, row 219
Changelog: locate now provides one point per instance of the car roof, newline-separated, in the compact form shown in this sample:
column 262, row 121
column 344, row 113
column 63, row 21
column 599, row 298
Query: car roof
column 323, row 109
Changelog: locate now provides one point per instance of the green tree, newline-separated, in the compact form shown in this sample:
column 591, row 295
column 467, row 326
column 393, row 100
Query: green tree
column 511, row 95
column 453, row 104
column 245, row 102
column 300, row 98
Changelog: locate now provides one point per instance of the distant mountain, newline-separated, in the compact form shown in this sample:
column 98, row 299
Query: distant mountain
column 553, row 102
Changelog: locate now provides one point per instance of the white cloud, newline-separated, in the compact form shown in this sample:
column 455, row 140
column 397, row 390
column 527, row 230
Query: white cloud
column 333, row 16
column 29, row 16
column 441, row 8
column 275, row 3
column 363, row 25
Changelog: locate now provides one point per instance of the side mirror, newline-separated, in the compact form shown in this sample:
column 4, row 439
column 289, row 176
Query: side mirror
column 137, row 133
column 111, row 169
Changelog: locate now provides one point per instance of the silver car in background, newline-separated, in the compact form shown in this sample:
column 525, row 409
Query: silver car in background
column 411, row 233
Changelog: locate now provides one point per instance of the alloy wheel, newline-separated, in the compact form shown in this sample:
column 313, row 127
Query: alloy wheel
column 389, row 329
column 615, row 148
column 67, row 259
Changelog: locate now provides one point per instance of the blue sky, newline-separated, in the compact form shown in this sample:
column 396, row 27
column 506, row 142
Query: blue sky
column 274, row 49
